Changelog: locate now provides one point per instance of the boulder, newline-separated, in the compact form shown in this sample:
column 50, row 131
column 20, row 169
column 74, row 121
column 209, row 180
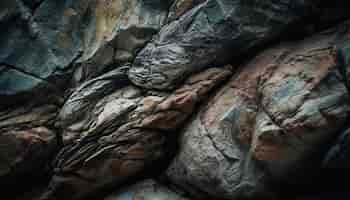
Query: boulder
column 110, row 139
column 215, row 31
column 268, row 123
column 145, row 190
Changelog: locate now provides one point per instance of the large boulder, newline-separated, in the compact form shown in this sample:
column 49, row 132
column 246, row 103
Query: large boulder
column 145, row 190
column 43, row 42
column 110, row 139
column 268, row 123
column 214, row 31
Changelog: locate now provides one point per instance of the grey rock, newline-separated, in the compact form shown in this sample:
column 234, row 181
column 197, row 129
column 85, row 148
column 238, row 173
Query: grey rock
column 44, row 42
column 145, row 190
column 213, row 32
column 180, row 7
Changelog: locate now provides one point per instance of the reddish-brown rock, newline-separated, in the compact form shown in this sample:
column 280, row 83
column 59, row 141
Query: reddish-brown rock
column 268, row 122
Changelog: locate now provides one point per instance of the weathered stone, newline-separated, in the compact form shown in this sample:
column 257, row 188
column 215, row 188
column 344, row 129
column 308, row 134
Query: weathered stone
column 122, row 29
column 27, row 142
column 145, row 190
column 113, row 138
column 84, row 98
column 204, row 34
column 43, row 42
column 180, row 7
column 267, row 122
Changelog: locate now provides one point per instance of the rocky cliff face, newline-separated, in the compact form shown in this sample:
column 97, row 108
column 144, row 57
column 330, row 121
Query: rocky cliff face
column 206, row 99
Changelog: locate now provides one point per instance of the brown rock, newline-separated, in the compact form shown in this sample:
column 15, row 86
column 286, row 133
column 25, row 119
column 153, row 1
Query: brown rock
column 267, row 123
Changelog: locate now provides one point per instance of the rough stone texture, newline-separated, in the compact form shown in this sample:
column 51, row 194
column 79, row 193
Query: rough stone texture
column 121, row 134
column 145, row 190
column 27, row 142
column 43, row 42
column 267, row 122
column 207, row 32
column 132, row 73
column 180, row 7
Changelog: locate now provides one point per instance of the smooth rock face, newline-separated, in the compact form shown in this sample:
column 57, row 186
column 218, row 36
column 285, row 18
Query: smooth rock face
column 27, row 142
column 267, row 122
column 205, row 33
column 43, row 43
column 121, row 134
column 146, row 190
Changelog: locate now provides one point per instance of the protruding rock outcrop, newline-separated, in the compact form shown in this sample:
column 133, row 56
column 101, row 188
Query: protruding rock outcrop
column 268, row 122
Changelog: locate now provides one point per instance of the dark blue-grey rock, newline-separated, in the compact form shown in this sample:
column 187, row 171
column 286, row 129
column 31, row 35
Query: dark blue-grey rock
column 42, row 43
column 215, row 31
column 338, row 157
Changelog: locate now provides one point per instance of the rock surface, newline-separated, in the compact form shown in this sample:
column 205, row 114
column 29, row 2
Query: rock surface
column 267, row 122
column 206, row 33
column 95, row 93
column 27, row 142
column 122, row 134
column 146, row 190
column 42, row 46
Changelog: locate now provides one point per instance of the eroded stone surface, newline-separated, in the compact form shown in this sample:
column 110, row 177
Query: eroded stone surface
column 121, row 134
column 207, row 32
column 274, row 114
column 43, row 42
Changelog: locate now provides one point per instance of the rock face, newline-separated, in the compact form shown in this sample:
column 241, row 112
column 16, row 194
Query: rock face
column 146, row 190
column 267, row 122
column 44, row 42
column 121, row 134
column 95, row 93
column 27, row 142
column 206, row 33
